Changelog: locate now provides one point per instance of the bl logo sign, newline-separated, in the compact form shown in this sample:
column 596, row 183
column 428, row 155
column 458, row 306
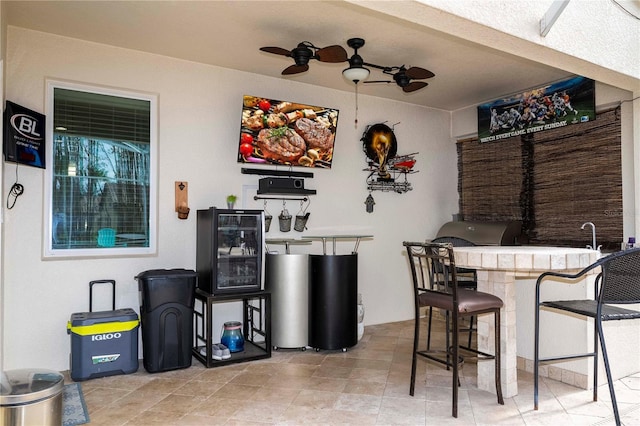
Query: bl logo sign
column 24, row 140
column 26, row 125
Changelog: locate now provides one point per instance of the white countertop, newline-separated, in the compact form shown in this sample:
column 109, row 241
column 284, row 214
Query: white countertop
column 335, row 238
column 525, row 258
column 286, row 241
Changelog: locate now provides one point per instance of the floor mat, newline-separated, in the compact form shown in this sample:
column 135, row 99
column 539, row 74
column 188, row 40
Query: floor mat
column 74, row 409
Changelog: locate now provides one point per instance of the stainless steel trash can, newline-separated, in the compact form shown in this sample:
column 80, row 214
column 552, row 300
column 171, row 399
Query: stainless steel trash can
column 31, row 397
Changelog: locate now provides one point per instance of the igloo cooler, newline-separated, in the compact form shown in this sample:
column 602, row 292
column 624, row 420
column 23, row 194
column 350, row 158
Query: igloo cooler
column 103, row 343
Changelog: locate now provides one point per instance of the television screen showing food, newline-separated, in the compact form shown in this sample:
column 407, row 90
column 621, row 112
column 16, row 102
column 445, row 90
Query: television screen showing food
column 286, row 133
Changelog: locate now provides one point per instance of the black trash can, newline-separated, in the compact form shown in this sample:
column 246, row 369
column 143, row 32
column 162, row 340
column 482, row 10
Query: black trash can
column 166, row 316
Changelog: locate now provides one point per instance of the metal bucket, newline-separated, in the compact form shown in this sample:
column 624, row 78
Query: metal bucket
column 267, row 218
column 31, row 397
column 301, row 222
column 302, row 217
column 285, row 221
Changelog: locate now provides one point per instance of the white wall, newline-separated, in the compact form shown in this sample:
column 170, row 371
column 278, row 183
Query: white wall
column 199, row 116
column 2, row 53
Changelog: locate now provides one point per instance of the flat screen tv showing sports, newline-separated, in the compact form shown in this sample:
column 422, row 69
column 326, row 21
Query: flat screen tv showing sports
column 275, row 132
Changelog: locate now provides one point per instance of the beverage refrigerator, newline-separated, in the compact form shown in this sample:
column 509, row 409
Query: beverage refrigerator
column 230, row 250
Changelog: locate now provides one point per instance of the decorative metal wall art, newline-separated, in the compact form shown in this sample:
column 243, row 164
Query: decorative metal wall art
column 387, row 171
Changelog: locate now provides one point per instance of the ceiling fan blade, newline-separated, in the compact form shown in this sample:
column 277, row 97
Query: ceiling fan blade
column 276, row 50
column 295, row 69
column 414, row 85
column 377, row 81
column 419, row 73
column 332, row 54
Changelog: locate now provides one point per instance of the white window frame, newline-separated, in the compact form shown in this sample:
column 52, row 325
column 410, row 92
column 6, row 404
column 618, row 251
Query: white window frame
column 48, row 251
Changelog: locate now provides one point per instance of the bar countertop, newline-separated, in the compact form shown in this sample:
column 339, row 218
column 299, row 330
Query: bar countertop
column 525, row 258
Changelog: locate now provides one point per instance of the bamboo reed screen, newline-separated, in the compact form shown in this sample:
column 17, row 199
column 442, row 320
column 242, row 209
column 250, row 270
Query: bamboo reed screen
column 553, row 181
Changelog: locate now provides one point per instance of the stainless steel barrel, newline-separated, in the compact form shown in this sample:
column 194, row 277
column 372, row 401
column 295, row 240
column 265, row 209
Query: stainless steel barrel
column 31, row 397
column 287, row 277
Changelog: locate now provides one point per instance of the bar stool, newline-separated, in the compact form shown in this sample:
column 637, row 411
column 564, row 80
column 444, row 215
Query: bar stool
column 467, row 278
column 435, row 285
column 617, row 283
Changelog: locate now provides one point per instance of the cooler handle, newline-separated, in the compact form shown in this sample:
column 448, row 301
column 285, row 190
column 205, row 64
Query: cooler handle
column 113, row 292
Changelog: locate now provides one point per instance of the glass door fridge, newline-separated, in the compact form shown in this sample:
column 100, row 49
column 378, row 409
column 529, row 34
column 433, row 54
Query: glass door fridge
column 230, row 250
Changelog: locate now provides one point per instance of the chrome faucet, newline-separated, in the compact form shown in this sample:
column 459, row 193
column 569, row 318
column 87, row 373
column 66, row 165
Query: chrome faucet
column 593, row 236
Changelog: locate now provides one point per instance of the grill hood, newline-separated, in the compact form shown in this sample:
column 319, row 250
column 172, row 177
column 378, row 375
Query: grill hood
column 484, row 233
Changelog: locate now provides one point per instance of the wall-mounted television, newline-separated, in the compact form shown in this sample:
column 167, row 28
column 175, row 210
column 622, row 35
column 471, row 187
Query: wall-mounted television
column 275, row 132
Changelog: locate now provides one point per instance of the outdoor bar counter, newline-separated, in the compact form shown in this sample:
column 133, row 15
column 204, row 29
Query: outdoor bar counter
column 499, row 268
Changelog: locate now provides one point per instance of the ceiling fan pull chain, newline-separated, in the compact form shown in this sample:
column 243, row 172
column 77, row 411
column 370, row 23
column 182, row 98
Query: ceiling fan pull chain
column 356, row 121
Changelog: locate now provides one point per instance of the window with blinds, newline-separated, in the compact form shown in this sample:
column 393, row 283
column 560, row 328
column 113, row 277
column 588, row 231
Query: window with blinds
column 100, row 183
column 553, row 181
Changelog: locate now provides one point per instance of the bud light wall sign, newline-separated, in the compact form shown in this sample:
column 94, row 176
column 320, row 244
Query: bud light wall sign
column 553, row 105
column 24, row 136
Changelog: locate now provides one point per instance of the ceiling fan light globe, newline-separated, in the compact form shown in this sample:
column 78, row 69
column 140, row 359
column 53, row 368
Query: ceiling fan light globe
column 356, row 74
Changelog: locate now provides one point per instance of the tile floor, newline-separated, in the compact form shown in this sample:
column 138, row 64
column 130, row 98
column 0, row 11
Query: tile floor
column 367, row 385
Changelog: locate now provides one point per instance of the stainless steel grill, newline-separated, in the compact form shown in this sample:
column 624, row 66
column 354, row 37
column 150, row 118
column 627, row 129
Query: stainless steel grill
column 484, row 233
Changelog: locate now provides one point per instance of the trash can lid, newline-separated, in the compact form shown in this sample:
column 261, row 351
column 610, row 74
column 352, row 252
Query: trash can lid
column 29, row 385
column 166, row 273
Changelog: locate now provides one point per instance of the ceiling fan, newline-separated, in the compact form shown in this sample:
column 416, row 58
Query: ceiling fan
column 306, row 51
column 356, row 72
column 401, row 75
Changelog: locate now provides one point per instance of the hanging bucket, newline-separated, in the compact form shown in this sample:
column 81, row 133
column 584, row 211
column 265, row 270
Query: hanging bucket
column 285, row 221
column 301, row 222
column 267, row 218
column 302, row 217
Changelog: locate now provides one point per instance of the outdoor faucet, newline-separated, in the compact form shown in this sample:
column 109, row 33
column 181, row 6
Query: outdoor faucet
column 593, row 236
